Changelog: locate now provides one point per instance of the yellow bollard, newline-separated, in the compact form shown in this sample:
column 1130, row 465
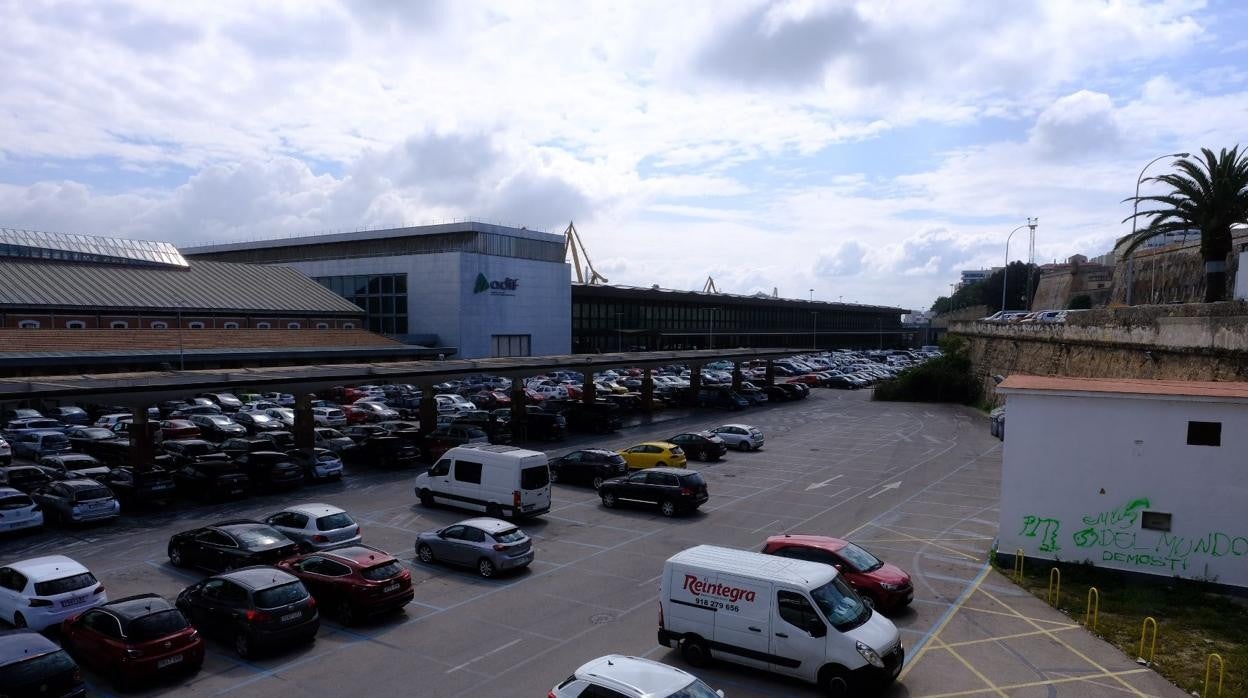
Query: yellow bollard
column 1093, row 608
column 1018, row 565
column 1152, row 651
column 1221, row 673
column 1055, row 587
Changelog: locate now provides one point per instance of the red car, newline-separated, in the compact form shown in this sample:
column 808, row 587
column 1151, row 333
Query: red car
column 880, row 584
column 807, row 379
column 133, row 639
column 178, row 429
column 356, row 415
column 501, row 398
column 354, row 581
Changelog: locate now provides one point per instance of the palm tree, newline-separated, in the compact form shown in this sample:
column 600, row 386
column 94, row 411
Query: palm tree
column 1209, row 195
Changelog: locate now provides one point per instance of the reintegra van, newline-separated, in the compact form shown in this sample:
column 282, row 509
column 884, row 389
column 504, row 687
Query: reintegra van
column 791, row 617
column 498, row 480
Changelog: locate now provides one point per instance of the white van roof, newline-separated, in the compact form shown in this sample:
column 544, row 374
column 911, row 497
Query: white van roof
column 500, row 448
column 744, row 563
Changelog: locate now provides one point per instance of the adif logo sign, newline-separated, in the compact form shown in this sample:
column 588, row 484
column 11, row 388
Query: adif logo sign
column 506, row 287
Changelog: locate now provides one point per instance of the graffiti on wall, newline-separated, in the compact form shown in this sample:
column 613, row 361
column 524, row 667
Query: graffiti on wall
column 1115, row 535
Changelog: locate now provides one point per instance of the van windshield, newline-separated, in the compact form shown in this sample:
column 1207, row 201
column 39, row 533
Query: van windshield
column 840, row 605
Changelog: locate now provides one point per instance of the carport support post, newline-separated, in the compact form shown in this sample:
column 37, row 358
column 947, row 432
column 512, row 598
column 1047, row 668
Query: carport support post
column 588, row 391
column 770, row 376
column 305, row 426
column 519, row 410
column 695, row 378
column 428, row 409
column 140, row 440
column 647, row 389
column 736, row 376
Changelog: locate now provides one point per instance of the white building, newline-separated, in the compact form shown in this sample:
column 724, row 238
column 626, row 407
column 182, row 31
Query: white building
column 1142, row 475
column 484, row 290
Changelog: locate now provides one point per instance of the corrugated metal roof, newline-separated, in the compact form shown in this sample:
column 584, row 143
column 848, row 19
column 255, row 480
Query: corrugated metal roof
column 1125, row 386
column 206, row 286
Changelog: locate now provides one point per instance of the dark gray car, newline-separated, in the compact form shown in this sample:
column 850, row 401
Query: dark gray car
column 487, row 545
column 76, row 501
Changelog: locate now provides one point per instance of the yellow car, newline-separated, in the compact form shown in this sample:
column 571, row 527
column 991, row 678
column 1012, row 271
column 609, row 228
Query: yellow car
column 654, row 454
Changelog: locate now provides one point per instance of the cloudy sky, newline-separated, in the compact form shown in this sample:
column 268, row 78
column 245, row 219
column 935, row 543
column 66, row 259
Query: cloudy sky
column 867, row 150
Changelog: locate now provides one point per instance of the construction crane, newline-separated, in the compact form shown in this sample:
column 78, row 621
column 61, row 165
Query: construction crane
column 572, row 242
column 709, row 286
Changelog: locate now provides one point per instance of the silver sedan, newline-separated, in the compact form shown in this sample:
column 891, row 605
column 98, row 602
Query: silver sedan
column 487, row 545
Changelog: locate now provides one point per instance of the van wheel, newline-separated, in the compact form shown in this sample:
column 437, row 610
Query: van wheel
column 494, row 510
column 693, row 650
column 834, row 682
column 608, row 500
column 668, row 508
column 426, row 499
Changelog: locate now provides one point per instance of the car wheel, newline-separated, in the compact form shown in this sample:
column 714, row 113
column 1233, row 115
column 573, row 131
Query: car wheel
column 743, row 445
column 243, row 645
column 668, row 508
column 175, row 556
column 660, row 464
column 597, row 482
column 426, row 499
column 345, row 613
column 699, row 455
column 554, row 475
column 19, row 621
column 425, row 553
column 485, row 568
column 608, row 500
column 694, row 651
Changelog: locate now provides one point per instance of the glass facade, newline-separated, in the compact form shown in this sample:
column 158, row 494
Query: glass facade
column 382, row 296
column 69, row 247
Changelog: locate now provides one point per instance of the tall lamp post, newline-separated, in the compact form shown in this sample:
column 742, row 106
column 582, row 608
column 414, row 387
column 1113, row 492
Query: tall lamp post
column 1135, row 210
column 710, row 332
column 1005, row 271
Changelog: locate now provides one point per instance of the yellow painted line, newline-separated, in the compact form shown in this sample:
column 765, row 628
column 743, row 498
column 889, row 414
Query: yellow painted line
column 1065, row 644
column 935, row 633
column 1047, row 682
column 1019, row 615
column 910, row 538
column 970, row 666
column 1000, row 638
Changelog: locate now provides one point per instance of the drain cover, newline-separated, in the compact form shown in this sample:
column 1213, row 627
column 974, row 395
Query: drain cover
column 601, row 618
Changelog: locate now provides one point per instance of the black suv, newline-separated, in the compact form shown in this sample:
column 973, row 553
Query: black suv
column 599, row 417
column 135, row 488
column 229, row 545
column 184, row 451
column 212, row 480
column 702, row 445
column 256, row 608
column 592, row 465
column 674, row 491
column 270, row 469
column 250, row 444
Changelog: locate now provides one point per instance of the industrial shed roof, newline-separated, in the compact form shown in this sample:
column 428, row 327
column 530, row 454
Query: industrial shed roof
column 203, row 286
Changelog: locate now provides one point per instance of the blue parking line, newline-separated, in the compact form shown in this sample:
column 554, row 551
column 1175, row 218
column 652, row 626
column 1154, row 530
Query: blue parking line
column 966, row 593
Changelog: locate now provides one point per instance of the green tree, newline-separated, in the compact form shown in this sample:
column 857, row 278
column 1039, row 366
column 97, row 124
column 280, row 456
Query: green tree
column 965, row 297
column 1018, row 295
column 1081, row 302
column 1209, row 195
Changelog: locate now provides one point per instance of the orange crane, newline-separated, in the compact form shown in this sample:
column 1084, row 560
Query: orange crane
column 572, row 243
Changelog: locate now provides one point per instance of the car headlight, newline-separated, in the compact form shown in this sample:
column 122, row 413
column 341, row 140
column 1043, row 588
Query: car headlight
column 889, row 587
column 870, row 655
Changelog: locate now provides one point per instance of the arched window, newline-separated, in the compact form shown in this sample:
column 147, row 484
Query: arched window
column 195, row 325
column 348, row 325
column 322, row 325
column 293, row 325
column 75, row 325
column 119, row 325
column 263, row 325
column 231, row 325
column 158, row 325
column 28, row 324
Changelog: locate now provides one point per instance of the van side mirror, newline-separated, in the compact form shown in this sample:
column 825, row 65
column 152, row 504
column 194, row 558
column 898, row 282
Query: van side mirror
column 818, row 629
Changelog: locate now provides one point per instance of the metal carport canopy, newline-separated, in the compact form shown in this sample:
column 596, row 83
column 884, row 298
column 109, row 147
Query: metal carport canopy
column 154, row 386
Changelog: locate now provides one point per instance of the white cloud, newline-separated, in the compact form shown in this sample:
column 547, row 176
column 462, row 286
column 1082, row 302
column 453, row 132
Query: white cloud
column 1077, row 126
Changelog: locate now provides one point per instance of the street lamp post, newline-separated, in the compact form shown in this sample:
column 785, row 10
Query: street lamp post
column 1135, row 210
column 812, row 295
column 1031, row 262
column 1005, row 271
column 710, row 332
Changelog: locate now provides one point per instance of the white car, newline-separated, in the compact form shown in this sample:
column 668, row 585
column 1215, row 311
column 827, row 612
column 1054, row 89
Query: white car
column 453, row 404
column 742, row 437
column 43, row 591
column 316, row 526
column 18, row 510
column 634, row 677
column 285, row 415
column 283, row 399
column 107, row 421
column 327, row 417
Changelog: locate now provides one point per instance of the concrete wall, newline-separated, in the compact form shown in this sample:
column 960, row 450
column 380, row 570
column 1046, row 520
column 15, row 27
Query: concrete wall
column 1080, row 471
column 1183, row 342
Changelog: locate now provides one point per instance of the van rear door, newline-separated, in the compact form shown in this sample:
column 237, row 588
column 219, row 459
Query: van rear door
column 533, row 495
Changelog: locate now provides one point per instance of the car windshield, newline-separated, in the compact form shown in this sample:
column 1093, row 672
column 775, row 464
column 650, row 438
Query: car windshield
column 96, row 433
column 257, row 537
column 334, row 521
column 64, row 585
column 859, row 559
column 697, row 689
column 198, row 449
column 534, row 478
column 326, row 457
column 14, row 501
column 692, row 480
column 87, row 494
column 157, row 625
column 261, row 418
column 21, row 475
column 382, row 571
column 81, row 463
column 28, row 672
column 840, row 605
column 219, row 421
column 53, row 440
column 280, row 595
column 511, row 535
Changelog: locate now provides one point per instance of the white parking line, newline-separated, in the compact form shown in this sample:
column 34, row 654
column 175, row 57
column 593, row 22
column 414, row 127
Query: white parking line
column 483, row 656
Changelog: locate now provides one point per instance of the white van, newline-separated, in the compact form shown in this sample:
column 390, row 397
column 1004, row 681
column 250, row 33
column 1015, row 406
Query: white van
column 791, row 617
column 498, row 480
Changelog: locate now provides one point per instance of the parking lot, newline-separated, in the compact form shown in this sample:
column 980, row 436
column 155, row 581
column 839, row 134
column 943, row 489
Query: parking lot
column 916, row 484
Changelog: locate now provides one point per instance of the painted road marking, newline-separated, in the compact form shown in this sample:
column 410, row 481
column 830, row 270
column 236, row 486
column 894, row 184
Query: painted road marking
column 825, row 483
column 1047, row 682
column 923, row 643
column 483, row 656
column 885, row 488
column 940, row 645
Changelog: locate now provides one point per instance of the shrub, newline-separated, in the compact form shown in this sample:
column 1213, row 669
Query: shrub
column 947, row 378
column 1080, row 302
